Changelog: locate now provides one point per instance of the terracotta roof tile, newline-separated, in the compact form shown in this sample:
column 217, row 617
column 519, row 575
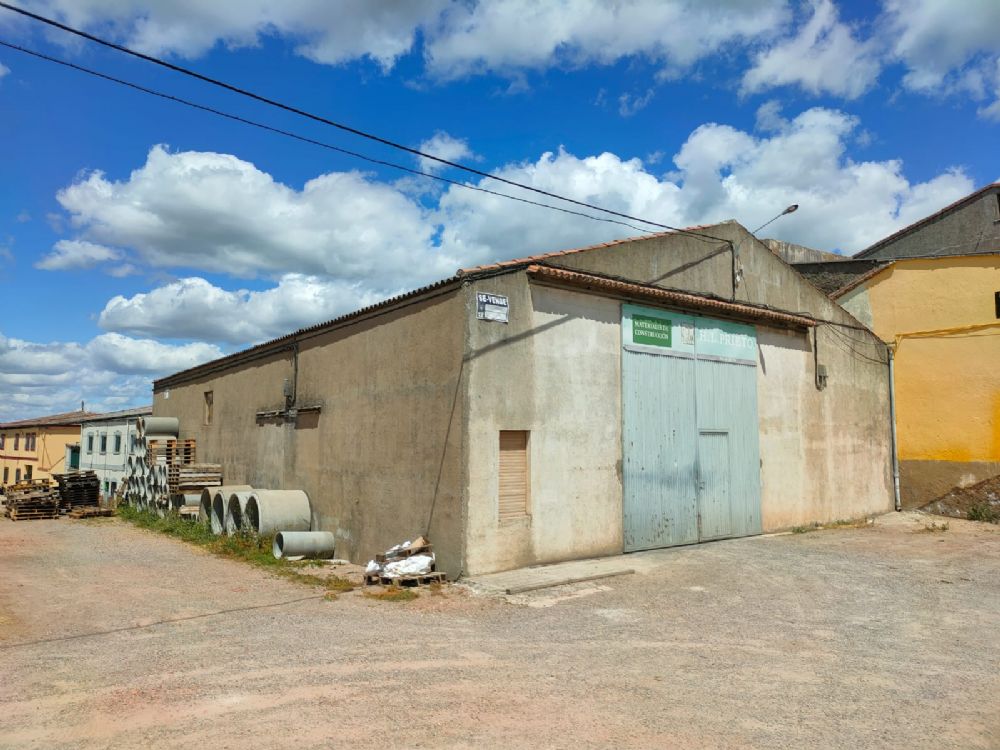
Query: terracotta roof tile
column 686, row 300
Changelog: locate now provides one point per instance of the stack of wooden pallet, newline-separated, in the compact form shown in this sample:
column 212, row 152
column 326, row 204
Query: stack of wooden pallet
column 191, row 478
column 90, row 511
column 32, row 500
column 172, row 452
column 78, row 488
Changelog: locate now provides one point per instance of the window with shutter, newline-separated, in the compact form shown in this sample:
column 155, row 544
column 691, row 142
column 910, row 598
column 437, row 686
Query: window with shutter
column 513, row 474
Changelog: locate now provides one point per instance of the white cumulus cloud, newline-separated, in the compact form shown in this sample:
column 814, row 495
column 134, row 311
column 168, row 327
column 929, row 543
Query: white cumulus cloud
column 444, row 146
column 219, row 213
column 325, row 32
column 512, row 35
column 197, row 309
column 822, row 57
column 69, row 254
column 948, row 47
column 109, row 372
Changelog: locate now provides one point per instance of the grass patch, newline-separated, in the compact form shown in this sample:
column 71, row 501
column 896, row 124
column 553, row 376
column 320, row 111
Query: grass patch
column 934, row 527
column 983, row 512
column 393, row 594
column 252, row 549
column 844, row 523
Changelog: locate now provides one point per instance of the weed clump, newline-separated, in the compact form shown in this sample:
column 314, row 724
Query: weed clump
column 983, row 512
column 934, row 527
column 393, row 594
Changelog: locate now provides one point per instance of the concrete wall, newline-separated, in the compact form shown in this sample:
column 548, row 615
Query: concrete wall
column 973, row 228
column 554, row 370
column 382, row 458
column 940, row 315
column 792, row 253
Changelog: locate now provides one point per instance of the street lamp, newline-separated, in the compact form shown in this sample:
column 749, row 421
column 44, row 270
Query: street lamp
column 790, row 210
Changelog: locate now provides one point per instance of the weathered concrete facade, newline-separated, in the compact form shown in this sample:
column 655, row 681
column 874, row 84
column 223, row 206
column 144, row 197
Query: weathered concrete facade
column 396, row 411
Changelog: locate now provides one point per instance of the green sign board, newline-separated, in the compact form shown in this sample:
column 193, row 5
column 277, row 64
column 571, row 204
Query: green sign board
column 651, row 331
column 681, row 334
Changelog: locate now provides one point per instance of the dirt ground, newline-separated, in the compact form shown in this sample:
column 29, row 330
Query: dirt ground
column 886, row 636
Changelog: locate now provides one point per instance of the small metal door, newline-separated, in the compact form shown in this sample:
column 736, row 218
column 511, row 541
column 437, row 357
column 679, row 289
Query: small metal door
column 714, row 497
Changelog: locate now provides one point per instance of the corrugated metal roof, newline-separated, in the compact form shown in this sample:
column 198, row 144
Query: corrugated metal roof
column 139, row 411
column 52, row 420
column 685, row 300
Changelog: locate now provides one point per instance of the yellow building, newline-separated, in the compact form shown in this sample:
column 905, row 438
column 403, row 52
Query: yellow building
column 36, row 448
column 941, row 317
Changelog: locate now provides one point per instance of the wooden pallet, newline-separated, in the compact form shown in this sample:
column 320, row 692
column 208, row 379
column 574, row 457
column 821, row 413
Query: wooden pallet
column 34, row 514
column 172, row 452
column 90, row 511
column 417, row 579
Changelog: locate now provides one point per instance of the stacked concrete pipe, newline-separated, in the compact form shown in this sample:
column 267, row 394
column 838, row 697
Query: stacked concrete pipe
column 271, row 511
column 236, row 511
column 185, row 500
column 218, row 517
column 207, row 494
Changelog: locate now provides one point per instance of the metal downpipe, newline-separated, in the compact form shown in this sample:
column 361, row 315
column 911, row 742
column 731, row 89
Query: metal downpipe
column 892, row 419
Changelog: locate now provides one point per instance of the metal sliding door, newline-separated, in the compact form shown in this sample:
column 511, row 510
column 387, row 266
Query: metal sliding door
column 690, row 455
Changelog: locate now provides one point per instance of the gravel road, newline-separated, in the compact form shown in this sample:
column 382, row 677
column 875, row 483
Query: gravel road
column 882, row 637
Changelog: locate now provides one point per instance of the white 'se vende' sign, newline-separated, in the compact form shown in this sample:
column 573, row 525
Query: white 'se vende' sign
column 492, row 307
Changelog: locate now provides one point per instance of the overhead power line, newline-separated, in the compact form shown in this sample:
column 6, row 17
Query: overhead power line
column 341, row 126
column 305, row 139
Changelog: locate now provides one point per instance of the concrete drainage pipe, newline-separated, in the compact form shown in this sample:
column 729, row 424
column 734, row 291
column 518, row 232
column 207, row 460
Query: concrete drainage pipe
column 236, row 512
column 166, row 426
column 207, row 494
column 270, row 511
column 218, row 517
column 186, row 500
column 311, row 544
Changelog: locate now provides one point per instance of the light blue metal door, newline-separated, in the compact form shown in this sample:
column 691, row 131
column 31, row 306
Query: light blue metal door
column 690, row 453
column 659, row 458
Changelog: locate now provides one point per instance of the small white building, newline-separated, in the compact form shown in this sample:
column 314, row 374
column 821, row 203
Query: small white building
column 106, row 442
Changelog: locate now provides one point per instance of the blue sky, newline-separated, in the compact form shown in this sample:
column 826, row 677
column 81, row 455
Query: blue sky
column 138, row 237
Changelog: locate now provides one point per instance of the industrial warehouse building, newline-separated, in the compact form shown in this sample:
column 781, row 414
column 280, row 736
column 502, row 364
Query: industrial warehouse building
column 645, row 393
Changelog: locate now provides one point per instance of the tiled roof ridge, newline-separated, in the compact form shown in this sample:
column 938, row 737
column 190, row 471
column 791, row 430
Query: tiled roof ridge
column 683, row 298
